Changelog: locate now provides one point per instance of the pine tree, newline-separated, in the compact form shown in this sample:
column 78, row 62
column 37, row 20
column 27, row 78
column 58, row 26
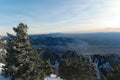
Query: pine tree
column 114, row 74
column 23, row 61
column 3, row 52
column 79, row 68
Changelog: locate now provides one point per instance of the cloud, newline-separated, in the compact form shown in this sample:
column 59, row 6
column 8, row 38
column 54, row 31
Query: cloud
column 109, row 28
column 44, row 16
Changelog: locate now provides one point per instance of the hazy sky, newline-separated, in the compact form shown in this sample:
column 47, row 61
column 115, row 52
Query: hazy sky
column 46, row 16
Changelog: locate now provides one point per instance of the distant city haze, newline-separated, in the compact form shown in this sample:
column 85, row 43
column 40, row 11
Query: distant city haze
column 64, row 16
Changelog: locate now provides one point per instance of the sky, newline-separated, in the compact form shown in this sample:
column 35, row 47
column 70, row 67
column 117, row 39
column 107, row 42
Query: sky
column 66, row 16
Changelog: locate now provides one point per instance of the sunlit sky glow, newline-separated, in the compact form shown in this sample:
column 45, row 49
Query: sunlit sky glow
column 47, row 16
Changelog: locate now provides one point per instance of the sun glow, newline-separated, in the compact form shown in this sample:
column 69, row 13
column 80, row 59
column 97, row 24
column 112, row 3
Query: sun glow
column 113, row 14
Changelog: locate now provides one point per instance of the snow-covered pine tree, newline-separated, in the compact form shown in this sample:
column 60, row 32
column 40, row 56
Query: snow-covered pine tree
column 79, row 68
column 23, row 61
column 114, row 74
column 3, row 45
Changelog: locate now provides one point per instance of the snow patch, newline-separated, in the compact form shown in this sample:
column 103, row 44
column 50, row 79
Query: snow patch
column 1, row 76
column 1, row 67
column 52, row 77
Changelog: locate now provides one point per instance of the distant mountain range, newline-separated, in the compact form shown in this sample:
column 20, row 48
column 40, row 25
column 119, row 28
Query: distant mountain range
column 89, row 43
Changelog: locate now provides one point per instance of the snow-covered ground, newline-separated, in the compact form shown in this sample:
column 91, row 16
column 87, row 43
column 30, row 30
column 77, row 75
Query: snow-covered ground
column 52, row 77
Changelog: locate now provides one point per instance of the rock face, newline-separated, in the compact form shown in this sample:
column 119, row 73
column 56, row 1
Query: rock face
column 23, row 61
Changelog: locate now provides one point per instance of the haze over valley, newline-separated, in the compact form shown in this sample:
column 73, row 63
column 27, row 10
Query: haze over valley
column 89, row 43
